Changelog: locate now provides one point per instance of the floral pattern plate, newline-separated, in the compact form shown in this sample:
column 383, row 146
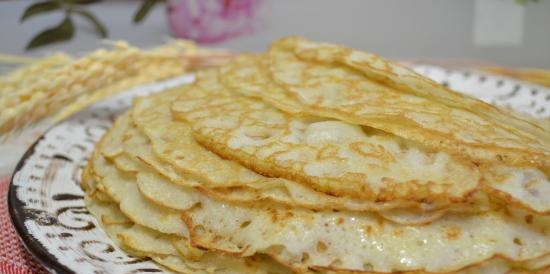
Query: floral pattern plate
column 46, row 203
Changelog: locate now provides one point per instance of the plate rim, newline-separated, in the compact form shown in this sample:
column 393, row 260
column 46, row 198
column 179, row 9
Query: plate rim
column 15, row 206
column 18, row 217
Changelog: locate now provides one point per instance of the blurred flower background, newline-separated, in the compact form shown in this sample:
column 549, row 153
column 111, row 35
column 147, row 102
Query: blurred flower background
column 205, row 21
column 211, row 21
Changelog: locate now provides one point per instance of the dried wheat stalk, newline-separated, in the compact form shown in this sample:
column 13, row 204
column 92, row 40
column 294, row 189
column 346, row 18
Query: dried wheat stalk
column 60, row 85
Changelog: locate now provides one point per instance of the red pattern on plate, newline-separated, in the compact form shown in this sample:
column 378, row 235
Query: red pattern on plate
column 14, row 258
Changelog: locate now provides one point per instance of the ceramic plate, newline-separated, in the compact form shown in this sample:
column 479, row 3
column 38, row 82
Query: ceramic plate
column 46, row 202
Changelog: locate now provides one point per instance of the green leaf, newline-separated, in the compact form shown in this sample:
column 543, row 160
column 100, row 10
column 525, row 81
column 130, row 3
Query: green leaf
column 144, row 9
column 99, row 27
column 39, row 8
column 61, row 32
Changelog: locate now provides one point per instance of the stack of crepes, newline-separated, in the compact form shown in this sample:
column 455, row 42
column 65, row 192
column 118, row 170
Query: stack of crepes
column 317, row 158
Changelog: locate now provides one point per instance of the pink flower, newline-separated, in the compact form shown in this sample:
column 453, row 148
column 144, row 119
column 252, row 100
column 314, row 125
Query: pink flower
column 211, row 21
